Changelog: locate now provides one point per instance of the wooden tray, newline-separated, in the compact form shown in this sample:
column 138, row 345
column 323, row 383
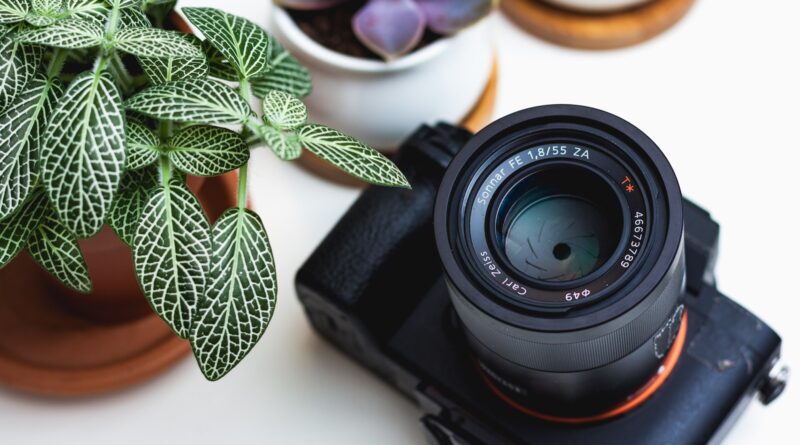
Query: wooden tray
column 47, row 349
column 596, row 31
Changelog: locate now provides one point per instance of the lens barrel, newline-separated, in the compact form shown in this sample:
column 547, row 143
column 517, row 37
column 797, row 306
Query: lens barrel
column 560, row 229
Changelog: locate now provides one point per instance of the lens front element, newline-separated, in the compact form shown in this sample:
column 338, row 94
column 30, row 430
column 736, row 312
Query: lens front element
column 560, row 224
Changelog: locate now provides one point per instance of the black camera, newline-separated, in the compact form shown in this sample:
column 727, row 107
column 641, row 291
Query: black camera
column 543, row 282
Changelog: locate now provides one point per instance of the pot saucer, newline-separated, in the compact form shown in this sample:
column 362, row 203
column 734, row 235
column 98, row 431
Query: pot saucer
column 477, row 118
column 45, row 348
column 596, row 31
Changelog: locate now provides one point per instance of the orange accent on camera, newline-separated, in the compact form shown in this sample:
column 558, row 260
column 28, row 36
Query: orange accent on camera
column 667, row 366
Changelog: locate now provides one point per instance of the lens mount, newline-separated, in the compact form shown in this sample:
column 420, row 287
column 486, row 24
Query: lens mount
column 560, row 229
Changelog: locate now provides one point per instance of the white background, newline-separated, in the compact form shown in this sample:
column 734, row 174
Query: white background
column 718, row 93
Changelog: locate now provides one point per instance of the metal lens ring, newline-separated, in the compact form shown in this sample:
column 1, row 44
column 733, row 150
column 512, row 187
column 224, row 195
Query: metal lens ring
column 558, row 224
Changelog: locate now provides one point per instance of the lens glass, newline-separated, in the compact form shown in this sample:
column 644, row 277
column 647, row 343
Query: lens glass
column 559, row 224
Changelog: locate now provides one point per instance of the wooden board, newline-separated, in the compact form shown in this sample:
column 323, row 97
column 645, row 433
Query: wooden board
column 476, row 119
column 596, row 31
column 48, row 349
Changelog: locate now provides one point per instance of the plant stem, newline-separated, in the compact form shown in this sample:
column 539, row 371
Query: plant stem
column 113, row 21
column 242, row 196
column 56, row 63
column 244, row 91
column 166, row 170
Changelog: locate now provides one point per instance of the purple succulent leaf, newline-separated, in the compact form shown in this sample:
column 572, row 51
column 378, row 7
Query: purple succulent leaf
column 450, row 16
column 309, row 4
column 390, row 28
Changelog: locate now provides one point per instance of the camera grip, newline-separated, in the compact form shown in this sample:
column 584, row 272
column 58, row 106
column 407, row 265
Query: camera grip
column 385, row 231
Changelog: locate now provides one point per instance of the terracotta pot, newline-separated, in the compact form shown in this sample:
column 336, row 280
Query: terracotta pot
column 381, row 103
column 55, row 341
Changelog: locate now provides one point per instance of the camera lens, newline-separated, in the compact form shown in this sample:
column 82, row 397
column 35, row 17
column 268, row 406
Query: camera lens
column 559, row 224
column 560, row 229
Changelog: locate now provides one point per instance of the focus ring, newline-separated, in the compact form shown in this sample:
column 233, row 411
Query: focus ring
column 525, row 348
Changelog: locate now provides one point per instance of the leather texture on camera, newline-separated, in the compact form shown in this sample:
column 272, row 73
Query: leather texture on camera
column 385, row 231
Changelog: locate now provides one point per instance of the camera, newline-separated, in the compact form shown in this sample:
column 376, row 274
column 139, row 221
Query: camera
column 544, row 281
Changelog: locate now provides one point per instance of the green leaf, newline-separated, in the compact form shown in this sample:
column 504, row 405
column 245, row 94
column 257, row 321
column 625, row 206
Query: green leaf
column 125, row 3
column 12, row 11
column 165, row 69
column 141, row 146
column 91, row 10
column 285, row 144
column 240, row 299
column 351, row 156
column 171, row 254
column 285, row 74
column 16, row 229
column 243, row 43
column 17, row 67
column 218, row 64
column 284, row 111
column 196, row 100
column 70, row 33
column 84, row 152
column 207, row 151
column 134, row 191
column 57, row 251
column 152, row 42
column 44, row 12
column 131, row 18
column 21, row 128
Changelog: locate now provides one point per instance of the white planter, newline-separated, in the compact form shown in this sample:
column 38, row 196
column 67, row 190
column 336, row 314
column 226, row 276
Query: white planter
column 597, row 5
column 381, row 103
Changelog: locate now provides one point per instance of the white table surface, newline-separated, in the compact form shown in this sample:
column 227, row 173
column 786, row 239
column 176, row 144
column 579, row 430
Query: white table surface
column 718, row 93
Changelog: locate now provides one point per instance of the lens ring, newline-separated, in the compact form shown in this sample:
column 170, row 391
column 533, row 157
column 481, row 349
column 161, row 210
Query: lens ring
column 522, row 155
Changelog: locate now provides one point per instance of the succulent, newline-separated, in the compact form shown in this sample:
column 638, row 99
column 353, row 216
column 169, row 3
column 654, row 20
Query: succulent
column 102, row 116
column 392, row 28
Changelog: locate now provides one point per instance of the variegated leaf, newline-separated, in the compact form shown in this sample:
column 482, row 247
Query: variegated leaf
column 240, row 299
column 90, row 10
column 12, row 11
column 17, row 66
column 351, row 156
column 17, row 228
column 3, row 30
column 44, row 12
column 285, row 144
column 171, row 254
column 152, row 42
column 163, row 70
column 285, row 74
column 243, row 43
column 218, row 65
column 134, row 191
column 21, row 128
column 125, row 3
column 141, row 146
column 196, row 100
column 83, row 152
column 70, row 33
column 284, row 111
column 131, row 18
column 56, row 249
column 203, row 150
column 166, row 69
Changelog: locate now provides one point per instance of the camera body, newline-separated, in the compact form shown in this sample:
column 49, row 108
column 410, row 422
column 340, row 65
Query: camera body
column 375, row 288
